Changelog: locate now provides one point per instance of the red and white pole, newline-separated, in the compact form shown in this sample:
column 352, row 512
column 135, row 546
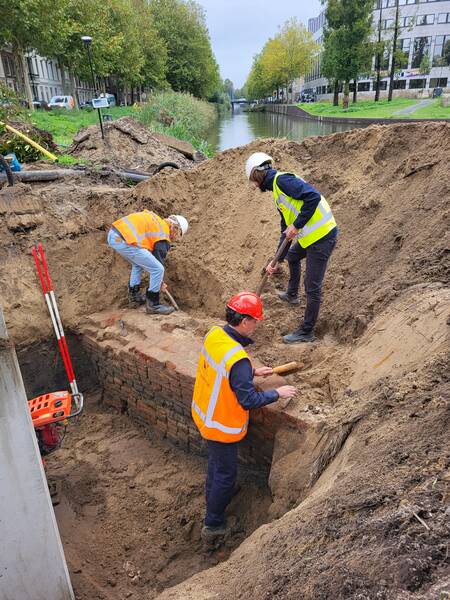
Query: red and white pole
column 50, row 299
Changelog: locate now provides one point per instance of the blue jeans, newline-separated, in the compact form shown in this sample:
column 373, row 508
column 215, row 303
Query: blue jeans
column 220, row 481
column 141, row 259
column 317, row 256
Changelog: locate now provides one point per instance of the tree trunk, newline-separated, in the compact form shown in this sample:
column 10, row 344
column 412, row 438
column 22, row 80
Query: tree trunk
column 378, row 57
column 336, row 93
column 25, row 76
column 355, row 92
column 73, row 89
column 394, row 50
column 63, row 78
column 346, row 96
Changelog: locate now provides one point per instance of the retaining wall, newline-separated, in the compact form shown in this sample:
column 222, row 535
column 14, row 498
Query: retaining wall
column 146, row 366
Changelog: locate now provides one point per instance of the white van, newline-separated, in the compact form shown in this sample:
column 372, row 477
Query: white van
column 62, row 102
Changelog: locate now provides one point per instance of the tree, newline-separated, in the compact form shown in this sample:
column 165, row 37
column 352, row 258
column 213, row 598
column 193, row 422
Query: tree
column 394, row 50
column 350, row 24
column 424, row 68
column 228, row 88
column 191, row 66
column 330, row 61
column 24, row 25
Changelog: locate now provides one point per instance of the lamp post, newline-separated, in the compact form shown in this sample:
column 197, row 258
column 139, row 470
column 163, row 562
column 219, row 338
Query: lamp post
column 87, row 41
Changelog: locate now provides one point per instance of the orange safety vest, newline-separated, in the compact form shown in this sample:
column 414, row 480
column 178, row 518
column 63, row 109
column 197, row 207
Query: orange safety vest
column 143, row 229
column 215, row 408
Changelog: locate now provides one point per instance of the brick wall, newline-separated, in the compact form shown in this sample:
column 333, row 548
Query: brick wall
column 147, row 369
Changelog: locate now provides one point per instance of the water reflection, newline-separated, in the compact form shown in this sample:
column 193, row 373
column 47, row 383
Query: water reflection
column 238, row 128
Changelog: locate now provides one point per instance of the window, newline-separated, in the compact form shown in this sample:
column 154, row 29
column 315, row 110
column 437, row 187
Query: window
column 441, row 54
column 444, row 18
column 438, row 82
column 364, row 86
column 420, row 50
column 416, row 84
column 387, row 23
column 383, row 85
column 403, row 53
column 399, row 84
column 407, row 22
column 425, row 19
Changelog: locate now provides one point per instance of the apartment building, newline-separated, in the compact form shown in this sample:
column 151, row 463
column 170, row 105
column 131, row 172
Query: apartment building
column 424, row 39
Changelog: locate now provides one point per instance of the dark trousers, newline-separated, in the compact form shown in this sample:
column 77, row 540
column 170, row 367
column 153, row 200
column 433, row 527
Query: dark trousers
column 220, row 480
column 316, row 256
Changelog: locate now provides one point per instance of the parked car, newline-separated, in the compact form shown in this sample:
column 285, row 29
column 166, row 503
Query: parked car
column 307, row 97
column 111, row 99
column 437, row 92
column 87, row 104
column 62, row 102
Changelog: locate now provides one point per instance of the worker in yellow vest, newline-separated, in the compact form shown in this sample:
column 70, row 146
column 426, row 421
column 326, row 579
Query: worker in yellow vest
column 306, row 220
column 223, row 395
column 143, row 239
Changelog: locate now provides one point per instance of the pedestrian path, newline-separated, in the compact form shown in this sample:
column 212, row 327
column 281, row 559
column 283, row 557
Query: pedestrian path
column 414, row 107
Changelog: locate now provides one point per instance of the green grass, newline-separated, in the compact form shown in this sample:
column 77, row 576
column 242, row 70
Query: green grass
column 63, row 124
column 182, row 116
column 433, row 111
column 363, row 108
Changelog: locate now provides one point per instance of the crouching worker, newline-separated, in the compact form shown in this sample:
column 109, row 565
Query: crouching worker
column 223, row 395
column 143, row 239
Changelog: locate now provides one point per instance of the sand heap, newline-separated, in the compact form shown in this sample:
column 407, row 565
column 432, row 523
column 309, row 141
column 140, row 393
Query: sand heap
column 371, row 522
column 129, row 144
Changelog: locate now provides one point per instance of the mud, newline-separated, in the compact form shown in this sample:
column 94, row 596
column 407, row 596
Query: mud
column 348, row 505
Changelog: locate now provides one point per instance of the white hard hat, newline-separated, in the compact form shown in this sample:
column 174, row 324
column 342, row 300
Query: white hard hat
column 255, row 160
column 181, row 222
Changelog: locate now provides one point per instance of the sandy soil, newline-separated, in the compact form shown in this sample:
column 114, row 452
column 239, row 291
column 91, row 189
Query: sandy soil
column 348, row 509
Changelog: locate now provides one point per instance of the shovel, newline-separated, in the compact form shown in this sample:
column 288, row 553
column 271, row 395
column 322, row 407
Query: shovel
column 273, row 263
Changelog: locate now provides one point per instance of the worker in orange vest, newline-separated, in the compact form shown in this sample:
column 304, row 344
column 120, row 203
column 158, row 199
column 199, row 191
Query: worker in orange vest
column 224, row 393
column 143, row 239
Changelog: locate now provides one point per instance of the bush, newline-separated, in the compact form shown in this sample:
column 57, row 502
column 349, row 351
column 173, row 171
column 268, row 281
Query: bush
column 10, row 142
column 9, row 103
column 180, row 115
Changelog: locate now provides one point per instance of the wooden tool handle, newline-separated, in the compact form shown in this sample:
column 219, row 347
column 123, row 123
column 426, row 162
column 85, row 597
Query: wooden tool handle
column 172, row 300
column 273, row 262
column 286, row 367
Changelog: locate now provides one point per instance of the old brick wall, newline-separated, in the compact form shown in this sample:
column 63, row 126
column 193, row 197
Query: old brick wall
column 149, row 374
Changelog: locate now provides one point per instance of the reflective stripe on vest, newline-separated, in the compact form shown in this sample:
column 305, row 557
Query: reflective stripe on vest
column 321, row 223
column 215, row 407
column 139, row 239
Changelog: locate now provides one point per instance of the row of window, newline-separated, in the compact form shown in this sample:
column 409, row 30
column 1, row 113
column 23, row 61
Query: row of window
column 391, row 3
column 442, row 18
column 46, row 69
column 399, row 84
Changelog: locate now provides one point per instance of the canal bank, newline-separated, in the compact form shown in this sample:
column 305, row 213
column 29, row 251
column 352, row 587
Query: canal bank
column 238, row 128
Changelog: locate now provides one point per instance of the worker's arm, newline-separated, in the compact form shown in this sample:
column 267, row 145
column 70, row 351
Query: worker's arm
column 241, row 382
column 300, row 190
column 160, row 250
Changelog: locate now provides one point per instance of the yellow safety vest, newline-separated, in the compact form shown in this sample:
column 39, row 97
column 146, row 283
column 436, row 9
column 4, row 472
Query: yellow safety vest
column 321, row 223
column 143, row 229
column 215, row 408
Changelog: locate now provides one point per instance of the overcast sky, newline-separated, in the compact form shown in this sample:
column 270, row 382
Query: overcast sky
column 240, row 28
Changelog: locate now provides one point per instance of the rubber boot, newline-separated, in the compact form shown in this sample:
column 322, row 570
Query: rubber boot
column 134, row 295
column 299, row 336
column 154, row 307
column 288, row 298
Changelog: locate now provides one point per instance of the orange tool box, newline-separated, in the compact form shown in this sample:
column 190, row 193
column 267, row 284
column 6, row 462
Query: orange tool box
column 54, row 407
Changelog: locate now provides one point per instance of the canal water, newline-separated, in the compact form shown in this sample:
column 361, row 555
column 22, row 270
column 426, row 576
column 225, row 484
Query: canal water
column 237, row 128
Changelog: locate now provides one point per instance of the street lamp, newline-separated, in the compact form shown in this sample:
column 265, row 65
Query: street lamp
column 87, row 41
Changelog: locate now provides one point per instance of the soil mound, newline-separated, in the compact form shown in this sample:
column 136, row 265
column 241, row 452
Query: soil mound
column 128, row 144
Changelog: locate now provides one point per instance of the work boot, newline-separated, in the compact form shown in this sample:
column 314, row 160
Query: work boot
column 288, row 298
column 154, row 307
column 298, row 336
column 210, row 533
column 134, row 295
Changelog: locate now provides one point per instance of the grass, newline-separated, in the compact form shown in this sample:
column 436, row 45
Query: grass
column 363, row 108
column 433, row 111
column 179, row 115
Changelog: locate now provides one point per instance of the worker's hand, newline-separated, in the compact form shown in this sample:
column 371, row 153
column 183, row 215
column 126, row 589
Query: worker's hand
column 263, row 371
column 164, row 287
column 286, row 391
column 271, row 270
column 291, row 232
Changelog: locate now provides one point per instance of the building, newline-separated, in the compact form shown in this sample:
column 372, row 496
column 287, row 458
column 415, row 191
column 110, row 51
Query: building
column 424, row 39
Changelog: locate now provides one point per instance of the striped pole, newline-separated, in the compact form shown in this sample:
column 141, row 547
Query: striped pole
column 50, row 299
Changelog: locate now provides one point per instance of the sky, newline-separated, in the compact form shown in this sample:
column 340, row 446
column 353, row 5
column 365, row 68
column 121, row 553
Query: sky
column 240, row 28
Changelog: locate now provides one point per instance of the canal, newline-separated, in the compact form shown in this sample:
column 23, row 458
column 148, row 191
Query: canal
column 237, row 128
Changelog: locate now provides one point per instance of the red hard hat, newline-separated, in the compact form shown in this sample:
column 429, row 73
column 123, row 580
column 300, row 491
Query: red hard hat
column 247, row 303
